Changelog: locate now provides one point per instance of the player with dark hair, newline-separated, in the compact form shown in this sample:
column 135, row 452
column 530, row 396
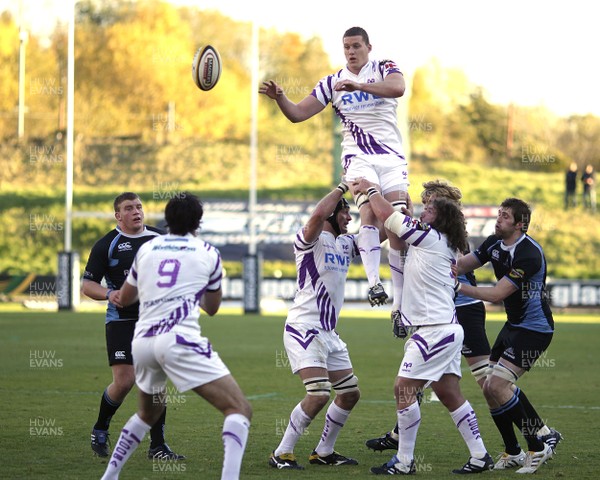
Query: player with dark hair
column 364, row 96
column 110, row 259
column 470, row 314
column 316, row 352
column 175, row 275
column 432, row 354
column 520, row 268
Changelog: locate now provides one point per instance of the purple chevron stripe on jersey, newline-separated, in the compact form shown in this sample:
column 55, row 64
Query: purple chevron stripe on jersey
column 408, row 234
column 427, row 351
column 420, row 239
column 237, row 439
column 303, row 340
column 133, row 273
column 365, row 141
column 207, row 352
column 301, row 245
column 177, row 316
column 308, row 268
column 215, row 280
column 327, row 312
column 216, row 266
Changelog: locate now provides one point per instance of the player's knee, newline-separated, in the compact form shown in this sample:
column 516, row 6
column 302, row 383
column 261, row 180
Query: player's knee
column 480, row 369
column 318, row 389
column 123, row 383
column 347, row 389
column 348, row 384
column 498, row 382
column 245, row 408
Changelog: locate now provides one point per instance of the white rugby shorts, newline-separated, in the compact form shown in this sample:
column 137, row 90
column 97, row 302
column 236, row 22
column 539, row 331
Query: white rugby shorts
column 433, row 351
column 188, row 360
column 314, row 347
column 388, row 171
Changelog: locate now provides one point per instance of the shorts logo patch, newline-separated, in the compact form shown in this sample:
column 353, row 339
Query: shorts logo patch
column 120, row 355
column 510, row 353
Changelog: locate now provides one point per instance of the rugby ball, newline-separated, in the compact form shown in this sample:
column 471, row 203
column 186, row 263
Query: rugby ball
column 206, row 67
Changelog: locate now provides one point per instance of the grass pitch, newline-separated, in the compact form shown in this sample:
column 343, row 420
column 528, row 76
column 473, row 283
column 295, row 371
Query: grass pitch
column 54, row 369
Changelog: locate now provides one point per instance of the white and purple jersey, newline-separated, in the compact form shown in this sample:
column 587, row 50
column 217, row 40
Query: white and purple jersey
column 370, row 122
column 171, row 274
column 322, row 268
column 428, row 292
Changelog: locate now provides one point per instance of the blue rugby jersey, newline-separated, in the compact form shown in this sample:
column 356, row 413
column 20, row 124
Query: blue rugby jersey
column 524, row 265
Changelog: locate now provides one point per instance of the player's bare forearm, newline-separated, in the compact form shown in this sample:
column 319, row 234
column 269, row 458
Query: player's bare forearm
column 294, row 112
column 93, row 290
column 128, row 294
column 211, row 301
column 467, row 263
column 494, row 294
column 392, row 87
column 321, row 213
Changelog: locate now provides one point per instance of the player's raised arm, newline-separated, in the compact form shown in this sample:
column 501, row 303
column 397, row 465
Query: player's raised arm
column 322, row 211
column 295, row 112
column 393, row 86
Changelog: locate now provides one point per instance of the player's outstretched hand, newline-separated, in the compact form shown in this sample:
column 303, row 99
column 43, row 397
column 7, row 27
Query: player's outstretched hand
column 408, row 210
column 346, row 86
column 270, row 89
column 115, row 298
column 361, row 185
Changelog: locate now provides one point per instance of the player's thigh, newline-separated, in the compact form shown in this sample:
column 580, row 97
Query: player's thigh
column 225, row 395
column 123, row 374
column 119, row 334
column 149, row 374
column 361, row 167
column 189, row 360
column 432, row 351
column 472, row 318
column 393, row 174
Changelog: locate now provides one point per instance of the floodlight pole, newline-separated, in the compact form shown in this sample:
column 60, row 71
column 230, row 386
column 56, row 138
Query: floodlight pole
column 23, row 36
column 253, row 139
column 67, row 279
column 70, row 112
column 252, row 270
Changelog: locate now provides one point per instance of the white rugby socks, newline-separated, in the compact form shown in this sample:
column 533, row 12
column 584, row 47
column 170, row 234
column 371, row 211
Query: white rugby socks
column 295, row 429
column 466, row 421
column 235, row 436
column 131, row 436
column 335, row 418
column 370, row 252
